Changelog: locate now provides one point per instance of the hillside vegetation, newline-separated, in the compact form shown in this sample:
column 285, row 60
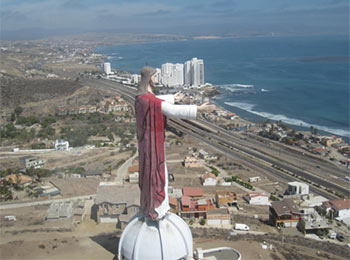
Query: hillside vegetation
column 17, row 91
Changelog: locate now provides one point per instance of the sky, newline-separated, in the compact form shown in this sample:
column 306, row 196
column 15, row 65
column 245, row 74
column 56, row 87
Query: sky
column 189, row 17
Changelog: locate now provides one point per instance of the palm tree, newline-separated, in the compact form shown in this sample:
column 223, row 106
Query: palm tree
column 312, row 129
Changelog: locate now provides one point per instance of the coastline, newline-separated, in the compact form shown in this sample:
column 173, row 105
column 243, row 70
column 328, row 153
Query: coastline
column 256, row 119
column 329, row 122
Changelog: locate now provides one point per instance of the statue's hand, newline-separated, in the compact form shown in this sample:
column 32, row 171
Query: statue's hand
column 206, row 107
column 178, row 96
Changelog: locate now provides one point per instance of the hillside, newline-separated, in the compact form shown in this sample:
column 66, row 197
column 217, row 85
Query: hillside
column 18, row 91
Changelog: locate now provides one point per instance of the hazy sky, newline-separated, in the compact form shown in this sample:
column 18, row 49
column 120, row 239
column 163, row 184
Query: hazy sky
column 177, row 16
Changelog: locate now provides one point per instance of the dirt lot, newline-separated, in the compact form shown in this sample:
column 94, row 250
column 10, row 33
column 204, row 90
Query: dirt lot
column 290, row 247
column 91, row 241
column 71, row 187
column 31, row 237
column 29, row 221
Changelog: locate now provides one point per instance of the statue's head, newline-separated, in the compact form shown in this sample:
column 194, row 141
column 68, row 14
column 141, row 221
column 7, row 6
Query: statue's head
column 147, row 79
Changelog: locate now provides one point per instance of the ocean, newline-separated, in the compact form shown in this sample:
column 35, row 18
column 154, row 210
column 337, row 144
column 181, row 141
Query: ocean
column 302, row 81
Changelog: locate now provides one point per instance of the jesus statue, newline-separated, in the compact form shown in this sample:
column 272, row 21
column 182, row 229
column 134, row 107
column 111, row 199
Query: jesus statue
column 151, row 115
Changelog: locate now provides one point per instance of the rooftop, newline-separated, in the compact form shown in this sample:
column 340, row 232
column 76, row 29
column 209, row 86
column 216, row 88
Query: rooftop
column 209, row 175
column 223, row 211
column 172, row 201
column 341, row 204
column 256, row 194
column 21, row 178
column 186, row 201
column 297, row 183
column 133, row 168
column 192, row 192
column 285, row 207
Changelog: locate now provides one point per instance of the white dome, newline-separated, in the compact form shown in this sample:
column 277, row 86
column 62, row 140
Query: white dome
column 169, row 238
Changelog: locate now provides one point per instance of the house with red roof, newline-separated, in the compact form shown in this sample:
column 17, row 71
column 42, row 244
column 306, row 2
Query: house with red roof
column 339, row 209
column 187, row 204
column 193, row 192
column 189, row 208
column 205, row 204
column 209, row 179
column 133, row 172
column 21, row 180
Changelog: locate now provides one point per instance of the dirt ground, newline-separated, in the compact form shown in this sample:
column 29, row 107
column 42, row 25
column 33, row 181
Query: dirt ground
column 92, row 241
column 71, row 187
column 89, row 158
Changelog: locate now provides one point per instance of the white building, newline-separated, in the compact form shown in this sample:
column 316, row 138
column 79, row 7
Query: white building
column 187, row 73
column 175, row 192
column 135, row 78
column 254, row 179
column 256, row 198
column 159, row 75
column 61, row 145
column 203, row 154
column 32, row 162
column 194, row 72
column 297, row 188
column 107, row 68
column 172, row 74
column 209, row 179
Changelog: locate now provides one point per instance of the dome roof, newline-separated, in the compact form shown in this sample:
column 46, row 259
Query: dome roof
column 168, row 238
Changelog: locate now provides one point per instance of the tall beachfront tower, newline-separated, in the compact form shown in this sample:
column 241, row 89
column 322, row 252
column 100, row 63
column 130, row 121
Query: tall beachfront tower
column 187, row 73
column 194, row 72
column 107, row 68
column 172, row 74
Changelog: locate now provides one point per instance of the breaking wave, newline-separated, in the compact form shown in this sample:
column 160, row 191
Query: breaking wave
column 236, row 87
column 285, row 119
column 115, row 58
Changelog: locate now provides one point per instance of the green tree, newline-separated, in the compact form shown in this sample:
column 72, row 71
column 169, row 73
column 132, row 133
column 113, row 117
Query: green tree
column 46, row 132
column 13, row 117
column 77, row 137
column 10, row 131
column 18, row 111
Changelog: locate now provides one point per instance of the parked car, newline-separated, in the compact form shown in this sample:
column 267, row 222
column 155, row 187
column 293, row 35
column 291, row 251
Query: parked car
column 340, row 237
column 332, row 235
column 241, row 227
column 10, row 218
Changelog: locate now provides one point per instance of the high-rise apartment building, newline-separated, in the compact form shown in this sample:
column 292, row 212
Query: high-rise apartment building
column 107, row 68
column 172, row 74
column 159, row 75
column 194, row 72
column 187, row 73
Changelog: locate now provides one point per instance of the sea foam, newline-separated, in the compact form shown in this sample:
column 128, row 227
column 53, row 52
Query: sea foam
column 285, row 119
column 235, row 87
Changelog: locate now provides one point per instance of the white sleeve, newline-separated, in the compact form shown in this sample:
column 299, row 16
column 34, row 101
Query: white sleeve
column 167, row 98
column 179, row 111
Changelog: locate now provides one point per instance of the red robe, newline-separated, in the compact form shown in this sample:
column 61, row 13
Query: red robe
column 151, row 134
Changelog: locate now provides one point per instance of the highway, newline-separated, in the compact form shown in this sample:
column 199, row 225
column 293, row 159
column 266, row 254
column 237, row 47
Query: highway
column 233, row 145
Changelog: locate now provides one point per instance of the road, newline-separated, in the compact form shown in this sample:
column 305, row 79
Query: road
column 122, row 171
